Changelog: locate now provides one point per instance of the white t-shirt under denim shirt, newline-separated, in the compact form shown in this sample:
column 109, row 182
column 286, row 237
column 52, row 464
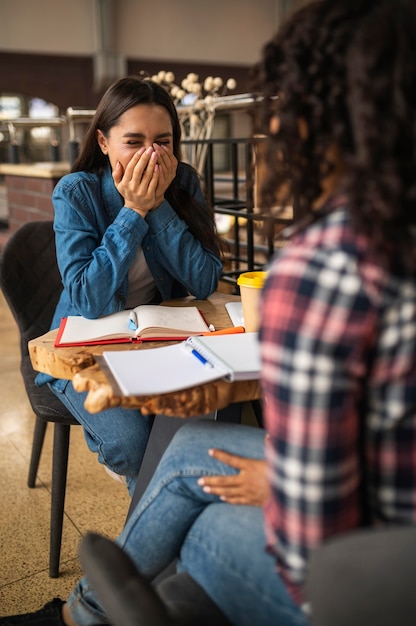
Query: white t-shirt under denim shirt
column 142, row 285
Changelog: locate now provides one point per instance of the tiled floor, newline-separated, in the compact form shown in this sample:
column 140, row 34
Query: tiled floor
column 93, row 500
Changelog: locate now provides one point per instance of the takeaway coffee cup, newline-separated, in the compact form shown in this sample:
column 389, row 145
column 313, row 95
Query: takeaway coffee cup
column 251, row 284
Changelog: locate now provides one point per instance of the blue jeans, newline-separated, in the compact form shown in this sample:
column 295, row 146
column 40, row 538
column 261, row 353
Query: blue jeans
column 119, row 436
column 221, row 545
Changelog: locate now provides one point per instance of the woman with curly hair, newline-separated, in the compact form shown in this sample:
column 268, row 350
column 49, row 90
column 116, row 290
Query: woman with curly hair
column 338, row 333
column 338, row 336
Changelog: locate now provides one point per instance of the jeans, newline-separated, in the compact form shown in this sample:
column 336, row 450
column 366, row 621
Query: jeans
column 119, row 436
column 221, row 545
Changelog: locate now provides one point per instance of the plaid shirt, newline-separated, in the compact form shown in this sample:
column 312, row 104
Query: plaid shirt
column 338, row 334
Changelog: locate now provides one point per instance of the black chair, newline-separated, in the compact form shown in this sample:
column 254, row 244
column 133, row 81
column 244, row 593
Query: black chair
column 363, row 578
column 31, row 285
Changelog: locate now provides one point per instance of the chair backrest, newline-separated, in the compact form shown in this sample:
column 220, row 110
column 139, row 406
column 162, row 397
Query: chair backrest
column 30, row 279
column 363, row 578
column 31, row 284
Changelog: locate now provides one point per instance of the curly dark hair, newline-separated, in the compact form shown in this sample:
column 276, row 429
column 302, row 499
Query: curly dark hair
column 348, row 69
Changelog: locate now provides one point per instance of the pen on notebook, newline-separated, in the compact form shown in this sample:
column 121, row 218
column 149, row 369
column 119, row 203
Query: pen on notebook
column 133, row 320
column 201, row 358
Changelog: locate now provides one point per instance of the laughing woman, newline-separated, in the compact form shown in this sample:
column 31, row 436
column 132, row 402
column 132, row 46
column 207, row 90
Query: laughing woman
column 132, row 227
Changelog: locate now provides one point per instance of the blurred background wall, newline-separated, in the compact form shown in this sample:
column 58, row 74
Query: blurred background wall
column 68, row 51
column 56, row 54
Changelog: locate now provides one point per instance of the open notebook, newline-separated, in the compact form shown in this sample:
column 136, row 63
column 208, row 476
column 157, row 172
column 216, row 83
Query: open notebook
column 145, row 322
column 196, row 361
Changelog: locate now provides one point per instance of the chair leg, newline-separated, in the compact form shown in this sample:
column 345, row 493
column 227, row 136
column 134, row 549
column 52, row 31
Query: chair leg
column 37, row 445
column 59, row 474
column 258, row 412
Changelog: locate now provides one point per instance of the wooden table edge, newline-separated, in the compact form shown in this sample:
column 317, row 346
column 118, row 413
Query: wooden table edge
column 78, row 364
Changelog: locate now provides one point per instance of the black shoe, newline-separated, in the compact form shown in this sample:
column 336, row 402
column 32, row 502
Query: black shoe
column 127, row 598
column 49, row 615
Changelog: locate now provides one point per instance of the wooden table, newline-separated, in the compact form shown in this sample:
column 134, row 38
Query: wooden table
column 79, row 364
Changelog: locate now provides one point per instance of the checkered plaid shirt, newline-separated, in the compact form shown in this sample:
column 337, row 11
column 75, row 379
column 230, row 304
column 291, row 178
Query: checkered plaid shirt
column 338, row 333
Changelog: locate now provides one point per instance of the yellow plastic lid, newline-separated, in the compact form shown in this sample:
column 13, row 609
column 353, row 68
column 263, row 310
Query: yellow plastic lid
column 252, row 279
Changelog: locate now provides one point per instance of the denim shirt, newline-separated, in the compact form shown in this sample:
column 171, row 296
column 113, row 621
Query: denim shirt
column 97, row 238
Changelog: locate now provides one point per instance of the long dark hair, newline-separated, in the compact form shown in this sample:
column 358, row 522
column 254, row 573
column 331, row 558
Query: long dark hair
column 348, row 69
column 121, row 96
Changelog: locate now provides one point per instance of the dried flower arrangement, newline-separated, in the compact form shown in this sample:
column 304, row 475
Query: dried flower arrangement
column 195, row 101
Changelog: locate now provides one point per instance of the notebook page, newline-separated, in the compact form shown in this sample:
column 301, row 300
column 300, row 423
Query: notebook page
column 158, row 370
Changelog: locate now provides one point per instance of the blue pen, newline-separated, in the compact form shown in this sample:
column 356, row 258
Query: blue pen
column 133, row 320
column 200, row 357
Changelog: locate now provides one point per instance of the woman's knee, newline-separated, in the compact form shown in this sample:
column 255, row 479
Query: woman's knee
column 118, row 436
column 198, row 436
column 122, row 449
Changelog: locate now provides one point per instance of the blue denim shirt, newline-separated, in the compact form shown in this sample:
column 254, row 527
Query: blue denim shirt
column 97, row 238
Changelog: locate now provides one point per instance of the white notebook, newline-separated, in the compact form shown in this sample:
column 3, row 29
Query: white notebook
column 196, row 361
column 235, row 311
